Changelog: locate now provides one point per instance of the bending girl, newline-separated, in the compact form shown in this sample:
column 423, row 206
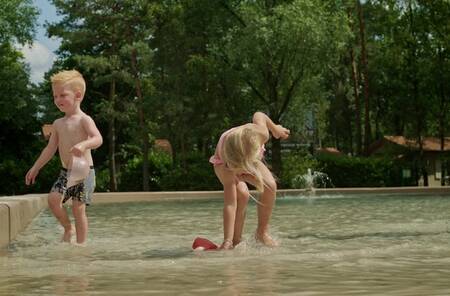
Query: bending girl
column 237, row 161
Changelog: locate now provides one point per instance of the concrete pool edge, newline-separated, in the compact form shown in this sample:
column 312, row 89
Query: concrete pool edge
column 16, row 212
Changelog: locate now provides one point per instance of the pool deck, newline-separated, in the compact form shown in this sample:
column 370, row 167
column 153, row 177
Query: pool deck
column 16, row 212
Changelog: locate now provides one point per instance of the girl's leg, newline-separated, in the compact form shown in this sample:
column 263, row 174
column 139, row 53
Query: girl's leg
column 81, row 221
column 228, row 181
column 242, row 200
column 265, row 208
column 266, row 204
column 55, row 205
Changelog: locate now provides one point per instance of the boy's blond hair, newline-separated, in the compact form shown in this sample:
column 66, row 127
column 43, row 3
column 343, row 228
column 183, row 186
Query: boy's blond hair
column 71, row 77
column 242, row 151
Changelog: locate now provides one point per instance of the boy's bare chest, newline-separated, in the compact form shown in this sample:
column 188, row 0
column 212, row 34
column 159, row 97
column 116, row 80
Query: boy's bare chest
column 71, row 129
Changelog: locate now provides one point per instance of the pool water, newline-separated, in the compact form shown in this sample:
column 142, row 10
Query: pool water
column 330, row 245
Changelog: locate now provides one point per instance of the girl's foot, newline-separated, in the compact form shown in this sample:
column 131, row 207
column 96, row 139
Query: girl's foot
column 266, row 240
column 68, row 232
column 226, row 245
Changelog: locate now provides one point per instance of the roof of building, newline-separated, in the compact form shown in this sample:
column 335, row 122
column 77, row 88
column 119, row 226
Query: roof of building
column 163, row 145
column 431, row 144
column 329, row 150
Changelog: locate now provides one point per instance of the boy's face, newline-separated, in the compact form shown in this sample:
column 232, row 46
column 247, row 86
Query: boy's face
column 65, row 97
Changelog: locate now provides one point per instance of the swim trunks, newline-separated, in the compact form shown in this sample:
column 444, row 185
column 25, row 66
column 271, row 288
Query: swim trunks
column 82, row 191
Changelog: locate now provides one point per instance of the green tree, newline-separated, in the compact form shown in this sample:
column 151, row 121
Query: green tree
column 18, row 104
column 276, row 47
column 17, row 21
column 104, row 38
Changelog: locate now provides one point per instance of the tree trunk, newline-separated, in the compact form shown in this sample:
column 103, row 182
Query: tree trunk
column 142, row 125
column 276, row 156
column 355, row 81
column 365, row 75
column 442, row 115
column 112, row 140
column 418, row 108
column 357, row 104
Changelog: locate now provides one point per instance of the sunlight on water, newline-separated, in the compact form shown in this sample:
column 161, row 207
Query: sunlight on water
column 330, row 245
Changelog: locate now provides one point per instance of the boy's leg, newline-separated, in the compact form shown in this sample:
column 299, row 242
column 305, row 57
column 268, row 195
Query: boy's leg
column 55, row 205
column 83, row 197
column 81, row 222
column 242, row 200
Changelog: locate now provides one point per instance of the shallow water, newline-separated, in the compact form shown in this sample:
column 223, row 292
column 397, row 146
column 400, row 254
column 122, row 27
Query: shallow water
column 330, row 245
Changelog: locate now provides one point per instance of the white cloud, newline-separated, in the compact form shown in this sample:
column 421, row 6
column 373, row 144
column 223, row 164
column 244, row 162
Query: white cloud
column 40, row 58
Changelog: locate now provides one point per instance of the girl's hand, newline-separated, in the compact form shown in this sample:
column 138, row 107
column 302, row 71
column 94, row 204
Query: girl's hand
column 279, row 132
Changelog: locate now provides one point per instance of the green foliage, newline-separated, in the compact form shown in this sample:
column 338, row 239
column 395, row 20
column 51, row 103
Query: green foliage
column 131, row 174
column 17, row 21
column 295, row 164
column 277, row 48
column 198, row 174
column 18, row 104
column 205, row 66
column 12, row 172
column 362, row 172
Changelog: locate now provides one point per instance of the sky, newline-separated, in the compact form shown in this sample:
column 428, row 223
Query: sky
column 40, row 56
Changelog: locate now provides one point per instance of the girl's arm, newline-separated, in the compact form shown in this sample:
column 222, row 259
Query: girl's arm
column 265, row 124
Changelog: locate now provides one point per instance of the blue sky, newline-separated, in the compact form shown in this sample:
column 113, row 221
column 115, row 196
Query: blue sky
column 40, row 56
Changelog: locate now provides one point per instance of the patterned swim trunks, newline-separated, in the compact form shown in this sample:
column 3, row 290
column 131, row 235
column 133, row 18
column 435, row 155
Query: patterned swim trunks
column 82, row 191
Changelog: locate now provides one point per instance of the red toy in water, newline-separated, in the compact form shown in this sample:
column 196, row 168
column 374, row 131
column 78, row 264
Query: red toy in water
column 203, row 244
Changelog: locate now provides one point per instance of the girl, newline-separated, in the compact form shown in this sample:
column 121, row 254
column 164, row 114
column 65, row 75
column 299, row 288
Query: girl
column 237, row 161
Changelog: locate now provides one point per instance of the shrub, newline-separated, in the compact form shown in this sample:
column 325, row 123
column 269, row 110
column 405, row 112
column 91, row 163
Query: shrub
column 131, row 174
column 198, row 174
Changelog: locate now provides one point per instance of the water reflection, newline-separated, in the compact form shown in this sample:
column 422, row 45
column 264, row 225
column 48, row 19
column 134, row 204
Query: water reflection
column 70, row 285
column 359, row 246
column 402, row 234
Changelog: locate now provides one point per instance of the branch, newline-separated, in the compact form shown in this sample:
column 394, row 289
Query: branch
column 233, row 13
column 258, row 94
column 290, row 91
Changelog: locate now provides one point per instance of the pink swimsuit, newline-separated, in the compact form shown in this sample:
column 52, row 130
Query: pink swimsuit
column 216, row 159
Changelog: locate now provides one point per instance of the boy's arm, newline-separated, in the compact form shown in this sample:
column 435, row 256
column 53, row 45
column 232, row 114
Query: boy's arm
column 45, row 156
column 277, row 130
column 94, row 139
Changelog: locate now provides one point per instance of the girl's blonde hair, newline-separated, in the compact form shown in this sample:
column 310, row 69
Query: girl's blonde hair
column 72, row 77
column 242, row 151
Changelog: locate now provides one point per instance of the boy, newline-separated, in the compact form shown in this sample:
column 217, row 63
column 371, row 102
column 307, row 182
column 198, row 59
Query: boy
column 75, row 134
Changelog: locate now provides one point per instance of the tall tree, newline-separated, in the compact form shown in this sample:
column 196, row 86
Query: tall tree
column 276, row 46
column 365, row 77
column 355, row 81
column 18, row 105
column 95, row 34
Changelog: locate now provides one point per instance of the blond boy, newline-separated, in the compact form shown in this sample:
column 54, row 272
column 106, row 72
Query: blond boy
column 75, row 134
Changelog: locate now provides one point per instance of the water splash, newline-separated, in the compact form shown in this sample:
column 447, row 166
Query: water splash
column 312, row 180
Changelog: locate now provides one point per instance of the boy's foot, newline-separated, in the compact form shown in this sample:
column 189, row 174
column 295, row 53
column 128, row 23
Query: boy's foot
column 266, row 240
column 68, row 232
